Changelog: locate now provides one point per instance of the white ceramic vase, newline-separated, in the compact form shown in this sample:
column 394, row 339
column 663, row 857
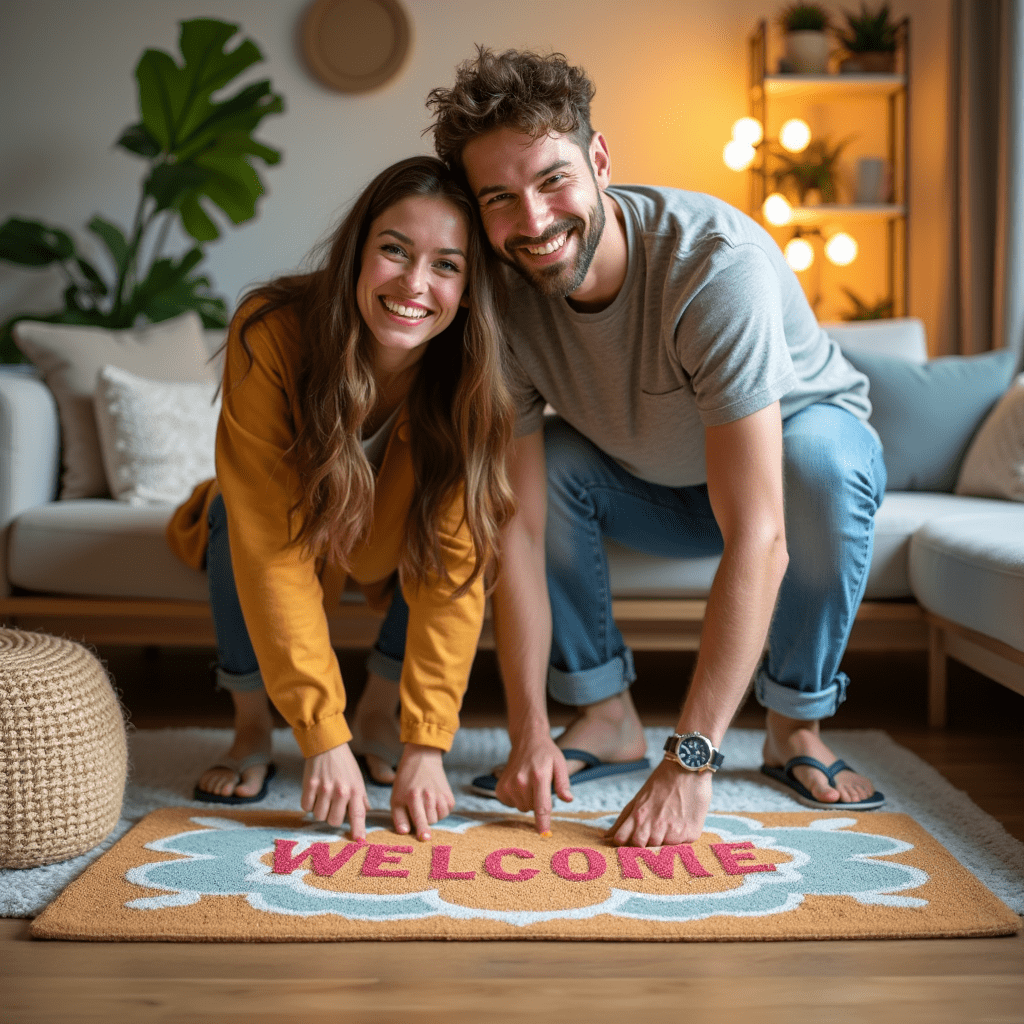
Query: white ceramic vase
column 807, row 52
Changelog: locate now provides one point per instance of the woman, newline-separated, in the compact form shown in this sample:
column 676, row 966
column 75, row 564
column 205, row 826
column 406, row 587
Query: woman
column 363, row 432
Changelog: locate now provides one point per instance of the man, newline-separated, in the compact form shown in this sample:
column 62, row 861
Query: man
column 695, row 390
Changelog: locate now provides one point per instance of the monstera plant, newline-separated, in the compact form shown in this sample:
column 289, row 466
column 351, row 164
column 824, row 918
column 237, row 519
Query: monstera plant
column 199, row 154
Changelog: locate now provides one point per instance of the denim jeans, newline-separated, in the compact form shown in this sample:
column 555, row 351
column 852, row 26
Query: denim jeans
column 834, row 479
column 237, row 668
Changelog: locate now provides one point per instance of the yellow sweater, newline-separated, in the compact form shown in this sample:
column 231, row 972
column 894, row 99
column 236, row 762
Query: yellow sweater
column 284, row 593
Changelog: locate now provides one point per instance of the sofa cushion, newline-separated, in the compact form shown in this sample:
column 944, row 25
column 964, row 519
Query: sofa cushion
column 970, row 569
column 926, row 414
column 994, row 464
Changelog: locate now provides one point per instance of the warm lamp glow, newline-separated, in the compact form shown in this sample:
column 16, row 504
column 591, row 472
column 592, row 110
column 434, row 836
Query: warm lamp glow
column 776, row 210
column 748, row 130
column 799, row 254
column 738, row 156
column 841, row 249
column 794, row 135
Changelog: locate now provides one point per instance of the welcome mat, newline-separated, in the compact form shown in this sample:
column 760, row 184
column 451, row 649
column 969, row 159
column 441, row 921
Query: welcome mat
column 275, row 876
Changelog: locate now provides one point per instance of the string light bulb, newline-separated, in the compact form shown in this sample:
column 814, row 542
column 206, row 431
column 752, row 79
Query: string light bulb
column 795, row 135
column 738, row 156
column 776, row 210
column 841, row 249
column 748, row 130
column 799, row 253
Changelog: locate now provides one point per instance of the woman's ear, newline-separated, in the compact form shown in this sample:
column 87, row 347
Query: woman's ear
column 464, row 301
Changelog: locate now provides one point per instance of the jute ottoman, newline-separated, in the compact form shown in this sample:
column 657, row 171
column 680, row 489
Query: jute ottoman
column 63, row 753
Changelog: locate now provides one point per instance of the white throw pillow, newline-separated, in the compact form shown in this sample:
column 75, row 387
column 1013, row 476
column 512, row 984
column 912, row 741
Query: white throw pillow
column 994, row 465
column 69, row 357
column 157, row 437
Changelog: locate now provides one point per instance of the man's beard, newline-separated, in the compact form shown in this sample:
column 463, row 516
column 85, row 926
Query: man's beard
column 560, row 279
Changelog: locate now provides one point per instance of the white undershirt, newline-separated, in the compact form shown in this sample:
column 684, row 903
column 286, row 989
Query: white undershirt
column 376, row 444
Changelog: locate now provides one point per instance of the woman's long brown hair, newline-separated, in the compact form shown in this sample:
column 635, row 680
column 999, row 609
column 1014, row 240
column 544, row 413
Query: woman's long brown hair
column 461, row 411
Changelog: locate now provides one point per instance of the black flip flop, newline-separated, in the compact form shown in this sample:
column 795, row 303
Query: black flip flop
column 801, row 793
column 238, row 767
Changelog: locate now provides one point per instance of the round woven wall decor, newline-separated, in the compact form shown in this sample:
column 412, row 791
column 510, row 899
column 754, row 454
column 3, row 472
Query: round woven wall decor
column 355, row 45
column 63, row 751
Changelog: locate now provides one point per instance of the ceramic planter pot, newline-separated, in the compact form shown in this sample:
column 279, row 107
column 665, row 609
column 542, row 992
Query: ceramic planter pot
column 869, row 63
column 807, row 52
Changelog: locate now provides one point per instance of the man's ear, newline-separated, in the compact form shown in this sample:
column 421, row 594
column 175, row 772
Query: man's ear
column 600, row 160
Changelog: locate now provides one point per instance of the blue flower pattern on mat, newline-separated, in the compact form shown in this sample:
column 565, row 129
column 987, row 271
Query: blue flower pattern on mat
column 224, row 859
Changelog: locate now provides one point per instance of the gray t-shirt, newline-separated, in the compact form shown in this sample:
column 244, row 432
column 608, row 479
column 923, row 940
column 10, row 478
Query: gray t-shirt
column 710, row 325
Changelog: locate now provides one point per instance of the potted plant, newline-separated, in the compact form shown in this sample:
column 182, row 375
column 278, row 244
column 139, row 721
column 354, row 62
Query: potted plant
column 198, row 150
column 806, row 26
column 870, row 40
column 812, row 173
column 881, row 310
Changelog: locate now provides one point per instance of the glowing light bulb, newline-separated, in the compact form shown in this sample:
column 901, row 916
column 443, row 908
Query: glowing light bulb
column 841, row 249
column 738, row 156
column 776, row 209
column 799, row 254
column 748, row 130
column 794, row 135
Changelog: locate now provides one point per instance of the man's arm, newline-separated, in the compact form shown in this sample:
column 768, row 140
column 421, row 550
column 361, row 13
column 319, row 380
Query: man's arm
column 744, row 465
column 522, row 632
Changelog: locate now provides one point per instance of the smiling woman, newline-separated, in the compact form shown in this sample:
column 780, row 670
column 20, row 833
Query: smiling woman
column 363, row 432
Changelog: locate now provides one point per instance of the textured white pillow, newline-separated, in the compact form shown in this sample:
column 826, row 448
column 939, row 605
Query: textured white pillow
column 994, row 465
column 157, row 437
column 69, row 358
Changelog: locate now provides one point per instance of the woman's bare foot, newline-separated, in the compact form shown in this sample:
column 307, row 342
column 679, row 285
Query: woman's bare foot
column 790, row 737
column 609, row 729
column 375, row 731
column 254, row 726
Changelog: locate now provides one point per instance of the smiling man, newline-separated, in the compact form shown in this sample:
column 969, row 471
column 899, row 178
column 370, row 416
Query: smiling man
column 701, row 410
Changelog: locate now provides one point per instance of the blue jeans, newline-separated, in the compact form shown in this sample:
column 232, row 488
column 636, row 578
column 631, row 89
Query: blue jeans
column 237, row 668
column 834, row 480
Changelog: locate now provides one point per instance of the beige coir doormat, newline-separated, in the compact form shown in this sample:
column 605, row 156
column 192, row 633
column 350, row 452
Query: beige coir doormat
column 273, row 876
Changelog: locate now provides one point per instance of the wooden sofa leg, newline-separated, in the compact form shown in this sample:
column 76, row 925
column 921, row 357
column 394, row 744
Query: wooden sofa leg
column 936, row 677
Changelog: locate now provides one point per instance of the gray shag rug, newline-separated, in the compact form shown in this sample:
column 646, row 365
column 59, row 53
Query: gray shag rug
column 165, row 764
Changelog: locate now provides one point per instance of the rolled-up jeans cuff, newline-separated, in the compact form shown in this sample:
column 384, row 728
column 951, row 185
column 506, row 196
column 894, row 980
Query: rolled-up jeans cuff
column 250, row 682
column 588, row 686
column 383, row 665
column 805, row 706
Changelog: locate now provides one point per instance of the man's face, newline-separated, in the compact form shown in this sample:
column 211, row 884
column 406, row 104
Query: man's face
column 541, row 204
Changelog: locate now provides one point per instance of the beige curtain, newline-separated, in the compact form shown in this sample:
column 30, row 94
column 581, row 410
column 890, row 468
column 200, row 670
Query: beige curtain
column 986, row 293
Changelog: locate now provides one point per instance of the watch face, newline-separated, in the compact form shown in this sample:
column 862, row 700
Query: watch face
column 694, row 752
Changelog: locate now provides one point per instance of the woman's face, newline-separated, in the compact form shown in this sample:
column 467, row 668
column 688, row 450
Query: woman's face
column 413, row 276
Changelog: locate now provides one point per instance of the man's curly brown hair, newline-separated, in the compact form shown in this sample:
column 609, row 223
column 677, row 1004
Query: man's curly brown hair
column 518, row 89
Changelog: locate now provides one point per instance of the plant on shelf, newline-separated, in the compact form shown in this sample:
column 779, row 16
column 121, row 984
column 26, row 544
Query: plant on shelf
column 870, row 40
column 881, row 310
column 805, row 26
column 197, row 150
column 812, row 171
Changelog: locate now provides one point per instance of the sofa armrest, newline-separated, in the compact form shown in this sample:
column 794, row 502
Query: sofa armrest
column 29, row 451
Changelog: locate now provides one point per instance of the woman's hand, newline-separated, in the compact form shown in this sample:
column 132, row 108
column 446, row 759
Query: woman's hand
column 333, row 789
column 420, row 796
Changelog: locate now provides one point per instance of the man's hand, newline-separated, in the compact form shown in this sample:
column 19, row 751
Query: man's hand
column 333, row 789
column 420, row 796
column 533, row 765
column 669, row 810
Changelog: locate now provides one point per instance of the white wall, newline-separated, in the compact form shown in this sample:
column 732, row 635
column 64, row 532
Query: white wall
column 671, row 79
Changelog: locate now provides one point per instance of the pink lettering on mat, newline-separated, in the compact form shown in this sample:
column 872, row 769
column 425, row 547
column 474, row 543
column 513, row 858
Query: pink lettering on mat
column 377, row 855
column 596, row 864
column 324, row 864
column 492, row 865
column 440, row 857
column 663, row 863
column 730, row 855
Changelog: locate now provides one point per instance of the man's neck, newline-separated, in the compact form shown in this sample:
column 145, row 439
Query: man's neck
column 607, row 272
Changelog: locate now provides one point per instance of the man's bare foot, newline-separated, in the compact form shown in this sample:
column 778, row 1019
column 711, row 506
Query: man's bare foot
column 610, row 730
column 254, row 726
column 790, row 737
column 375, row 730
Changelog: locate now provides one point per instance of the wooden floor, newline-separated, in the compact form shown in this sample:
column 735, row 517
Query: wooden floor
column 974, row 980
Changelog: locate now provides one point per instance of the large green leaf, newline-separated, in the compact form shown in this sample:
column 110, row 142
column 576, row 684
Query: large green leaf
column 137, row 139
column 115, row 241
column 169, row 184
column 171, row 288
column 31, row 243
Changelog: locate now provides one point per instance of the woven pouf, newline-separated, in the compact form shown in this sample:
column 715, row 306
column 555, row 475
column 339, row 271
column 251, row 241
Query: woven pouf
column 63, row 752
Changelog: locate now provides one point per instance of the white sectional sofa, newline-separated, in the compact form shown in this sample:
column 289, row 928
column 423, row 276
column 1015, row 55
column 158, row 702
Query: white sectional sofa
column 947, row 573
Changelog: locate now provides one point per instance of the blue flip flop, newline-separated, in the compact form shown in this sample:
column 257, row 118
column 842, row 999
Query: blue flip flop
column 806, row 797
column 486, row 785
column 238, row 767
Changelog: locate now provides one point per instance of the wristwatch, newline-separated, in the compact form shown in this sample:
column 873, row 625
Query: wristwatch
column 694, row 752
